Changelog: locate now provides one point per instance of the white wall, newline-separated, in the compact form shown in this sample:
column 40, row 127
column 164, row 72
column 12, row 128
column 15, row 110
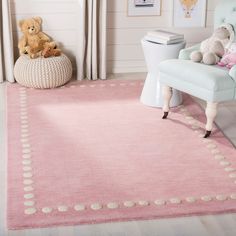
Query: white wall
column 124, row 34
column 59, row 20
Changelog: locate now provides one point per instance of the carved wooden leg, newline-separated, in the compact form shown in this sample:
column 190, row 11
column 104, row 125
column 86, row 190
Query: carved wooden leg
column 211, row 111
column 167, row 94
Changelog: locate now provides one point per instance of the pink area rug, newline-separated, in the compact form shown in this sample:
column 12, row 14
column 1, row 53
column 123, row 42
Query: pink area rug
column 90, row 152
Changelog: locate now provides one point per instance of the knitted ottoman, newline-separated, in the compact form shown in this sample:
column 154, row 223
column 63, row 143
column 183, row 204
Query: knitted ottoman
column 43, row 72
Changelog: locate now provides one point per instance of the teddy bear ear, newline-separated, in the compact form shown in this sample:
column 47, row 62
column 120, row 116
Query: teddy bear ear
column 38, row 19
column 21, row 22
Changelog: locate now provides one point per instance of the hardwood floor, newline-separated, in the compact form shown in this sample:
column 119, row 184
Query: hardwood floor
column 218, row 225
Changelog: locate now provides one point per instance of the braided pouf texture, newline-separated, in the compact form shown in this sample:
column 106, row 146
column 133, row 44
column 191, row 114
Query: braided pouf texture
column 43, row 72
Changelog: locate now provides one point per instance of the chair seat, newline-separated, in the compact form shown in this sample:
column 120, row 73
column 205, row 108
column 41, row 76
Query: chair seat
column 211, row 83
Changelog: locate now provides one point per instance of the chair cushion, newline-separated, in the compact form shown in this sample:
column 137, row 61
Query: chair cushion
column 213, row 79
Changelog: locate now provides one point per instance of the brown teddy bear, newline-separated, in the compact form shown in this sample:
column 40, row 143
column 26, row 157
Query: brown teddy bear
column 50, row 49
column 34, row 41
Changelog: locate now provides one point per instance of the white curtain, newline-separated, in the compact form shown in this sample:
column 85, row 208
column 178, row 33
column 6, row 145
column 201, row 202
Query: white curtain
column 6, row 43
column 91, row 52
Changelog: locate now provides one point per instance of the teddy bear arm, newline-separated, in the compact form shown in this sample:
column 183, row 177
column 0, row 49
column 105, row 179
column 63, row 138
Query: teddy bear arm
column 22, row 45
column 44, row 37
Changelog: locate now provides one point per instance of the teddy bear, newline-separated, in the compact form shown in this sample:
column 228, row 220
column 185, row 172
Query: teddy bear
column 213, row 48
column 33, row 40
column 50, row 49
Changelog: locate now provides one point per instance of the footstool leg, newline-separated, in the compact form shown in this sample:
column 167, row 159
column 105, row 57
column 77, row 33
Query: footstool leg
column 167, row 94
column 211, row 111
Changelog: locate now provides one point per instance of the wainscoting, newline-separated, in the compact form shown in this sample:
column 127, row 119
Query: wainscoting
column 124, row 52
column 124, row 33
column 59, row 21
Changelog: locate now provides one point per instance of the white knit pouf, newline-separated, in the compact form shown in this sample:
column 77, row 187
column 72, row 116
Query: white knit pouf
column 43, row 72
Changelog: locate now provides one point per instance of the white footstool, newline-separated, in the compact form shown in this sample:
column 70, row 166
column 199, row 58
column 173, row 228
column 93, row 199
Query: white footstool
column 43, row 72
column 154, row 54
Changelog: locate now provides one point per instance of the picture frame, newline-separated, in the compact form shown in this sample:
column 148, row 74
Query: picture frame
column 190, row 13
column 144, row 7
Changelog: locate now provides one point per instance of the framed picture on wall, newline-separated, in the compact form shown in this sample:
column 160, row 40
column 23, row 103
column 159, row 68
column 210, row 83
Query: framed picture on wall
column 144, row 7
column 189, row 13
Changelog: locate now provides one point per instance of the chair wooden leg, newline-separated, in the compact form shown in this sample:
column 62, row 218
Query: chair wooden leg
column 211, row 111
column 167, row 94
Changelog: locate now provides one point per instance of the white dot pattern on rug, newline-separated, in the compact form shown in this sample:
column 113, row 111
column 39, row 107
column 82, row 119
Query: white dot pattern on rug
column 215, row 151
column 26, row 150
column 28, row 188
column 219, row 157
column 25, row 135
column 24, row 117
column 230, row 169
column 29, row 197
column 206, row 141
column 29, row 203
column 28, row 181
column 189, row 117
column 233, row 175
column 206, row 198
column 129, row 203
column 221, row 197
column 96, row 206
column 79, row 207
column 211, row 146
column 143, row 203
column 192, row 122
column 112, row 205
column 24, row 130
column 160, row 202
column 47, row 210
column 26, row 155
column 191, row 199
column 26, row 168
column 24, row 140
column 27, row 175
column 175, row 200
column 225, row 163
column 30, row 211
column 26, row 162
column 62, row 208
column 233, row 196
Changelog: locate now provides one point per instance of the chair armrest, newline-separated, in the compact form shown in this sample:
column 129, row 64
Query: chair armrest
column 232, row 73
column 184, row 54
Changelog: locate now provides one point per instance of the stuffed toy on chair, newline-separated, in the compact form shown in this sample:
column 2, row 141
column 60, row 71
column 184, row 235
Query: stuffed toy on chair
column 213, row 48
column 229, row 58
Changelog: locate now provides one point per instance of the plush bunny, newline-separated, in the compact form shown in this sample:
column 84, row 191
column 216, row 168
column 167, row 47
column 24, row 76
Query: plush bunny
column 213, row 48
